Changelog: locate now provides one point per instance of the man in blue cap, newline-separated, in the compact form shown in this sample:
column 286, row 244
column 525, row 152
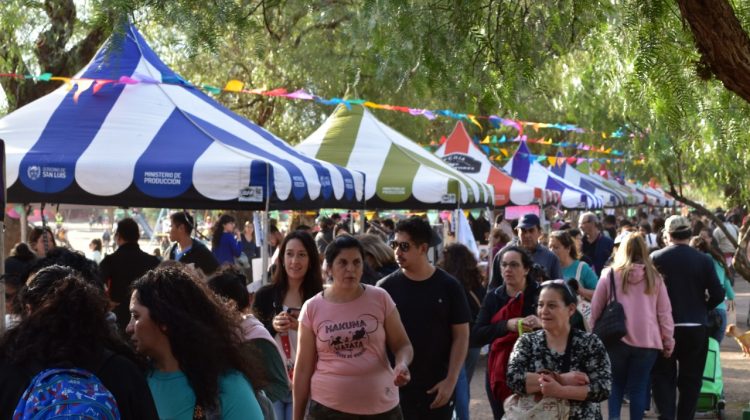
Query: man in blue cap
column 529, row 230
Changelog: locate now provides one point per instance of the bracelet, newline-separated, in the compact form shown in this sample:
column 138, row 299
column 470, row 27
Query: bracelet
column 519, row 327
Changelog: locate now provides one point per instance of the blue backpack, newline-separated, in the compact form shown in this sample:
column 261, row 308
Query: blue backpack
column 66, row 393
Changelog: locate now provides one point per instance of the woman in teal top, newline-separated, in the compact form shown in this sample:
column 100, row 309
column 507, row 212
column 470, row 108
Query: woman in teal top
column 722, row 271
column 561, row 243
column 194, row 344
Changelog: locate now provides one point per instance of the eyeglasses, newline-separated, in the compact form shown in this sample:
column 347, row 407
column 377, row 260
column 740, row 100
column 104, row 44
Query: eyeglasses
column 403, row 246
column 512, row 264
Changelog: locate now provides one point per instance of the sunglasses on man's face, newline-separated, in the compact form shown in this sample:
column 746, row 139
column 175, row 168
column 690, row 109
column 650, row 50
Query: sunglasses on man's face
column 403, row 246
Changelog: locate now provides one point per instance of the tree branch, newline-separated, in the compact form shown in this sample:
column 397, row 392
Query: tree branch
column 740, row 261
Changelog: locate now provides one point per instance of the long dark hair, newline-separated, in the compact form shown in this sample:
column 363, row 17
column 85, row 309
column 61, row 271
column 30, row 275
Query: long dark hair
column 459, row 262
column 218, row 229
column 192, row 314
column 66, row 324
column 702, row 245
column 313, row 282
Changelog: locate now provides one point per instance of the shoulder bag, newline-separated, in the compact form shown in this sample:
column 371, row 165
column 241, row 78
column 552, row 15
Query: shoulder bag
column 610, row 327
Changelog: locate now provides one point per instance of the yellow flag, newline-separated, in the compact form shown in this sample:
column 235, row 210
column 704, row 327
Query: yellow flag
column 234, row 86
column 474, row 120
column 68, row 83
column 552, row 160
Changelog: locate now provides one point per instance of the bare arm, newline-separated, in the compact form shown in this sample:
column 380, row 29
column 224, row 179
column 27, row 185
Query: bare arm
column 399, row 344
column 532, row 383
column 551, row 388
column 587, row 294
column 303, row 370
column 459, row 347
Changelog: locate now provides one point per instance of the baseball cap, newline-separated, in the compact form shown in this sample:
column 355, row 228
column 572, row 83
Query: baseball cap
column 528, row 221
column 676, row 224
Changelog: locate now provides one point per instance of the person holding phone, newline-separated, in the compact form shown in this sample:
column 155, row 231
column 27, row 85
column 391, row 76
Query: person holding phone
column 277, row 305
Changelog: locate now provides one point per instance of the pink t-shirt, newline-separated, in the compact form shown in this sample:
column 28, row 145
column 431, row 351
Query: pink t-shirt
column 352, row 373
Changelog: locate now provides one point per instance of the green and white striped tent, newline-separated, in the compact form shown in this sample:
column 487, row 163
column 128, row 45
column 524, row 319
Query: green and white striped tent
column 399, row 173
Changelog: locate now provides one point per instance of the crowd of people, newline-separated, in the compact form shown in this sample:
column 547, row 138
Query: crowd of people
column 357, row 326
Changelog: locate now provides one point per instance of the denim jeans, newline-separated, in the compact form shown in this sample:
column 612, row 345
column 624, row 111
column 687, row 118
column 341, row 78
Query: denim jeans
column 631, row 371
column 463, row 386
column 283, row 408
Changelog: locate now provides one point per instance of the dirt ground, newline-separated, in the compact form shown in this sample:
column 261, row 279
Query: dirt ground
column 736, row 370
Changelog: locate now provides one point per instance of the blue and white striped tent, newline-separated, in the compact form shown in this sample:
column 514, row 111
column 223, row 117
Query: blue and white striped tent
column 158, row 145
column 609, row 196
column 523, row 165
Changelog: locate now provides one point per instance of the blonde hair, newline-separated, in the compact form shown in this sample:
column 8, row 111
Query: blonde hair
column 376, row 247
column 633, row 250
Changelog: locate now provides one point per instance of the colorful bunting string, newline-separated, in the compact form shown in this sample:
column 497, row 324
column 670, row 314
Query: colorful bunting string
column 236, row 86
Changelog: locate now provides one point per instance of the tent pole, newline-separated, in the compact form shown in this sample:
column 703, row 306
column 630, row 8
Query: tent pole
column 364, row 206
column 266, row 225
column 24, row 222
column 2, row 243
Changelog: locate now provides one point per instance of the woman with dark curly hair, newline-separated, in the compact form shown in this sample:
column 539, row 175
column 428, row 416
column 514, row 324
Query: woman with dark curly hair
column 194, row 344
column 296, row 279
column 64, row 325
column 225, row 244
column 459, row 262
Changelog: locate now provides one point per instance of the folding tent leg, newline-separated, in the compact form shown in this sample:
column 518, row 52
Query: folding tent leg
column 264, row 247
column 2, row 278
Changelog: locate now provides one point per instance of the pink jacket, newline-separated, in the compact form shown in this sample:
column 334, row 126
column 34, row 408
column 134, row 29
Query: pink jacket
column 648, row 317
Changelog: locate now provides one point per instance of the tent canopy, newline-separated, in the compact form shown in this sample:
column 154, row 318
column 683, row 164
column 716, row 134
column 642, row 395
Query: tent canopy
column 524, row 166
column 462, row 154
column 400, row 174
column 157, row 145
column 610, row 197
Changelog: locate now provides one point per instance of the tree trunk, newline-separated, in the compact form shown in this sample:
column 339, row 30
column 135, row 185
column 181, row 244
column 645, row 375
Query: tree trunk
column 723, row 43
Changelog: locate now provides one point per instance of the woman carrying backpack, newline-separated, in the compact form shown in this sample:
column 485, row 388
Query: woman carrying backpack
column 64, row 341
column 194, row 343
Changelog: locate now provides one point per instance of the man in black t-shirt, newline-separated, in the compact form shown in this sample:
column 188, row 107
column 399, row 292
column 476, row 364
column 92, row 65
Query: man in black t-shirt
column 435, row 314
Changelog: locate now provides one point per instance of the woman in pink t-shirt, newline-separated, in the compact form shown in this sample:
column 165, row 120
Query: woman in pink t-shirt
column 342, row 366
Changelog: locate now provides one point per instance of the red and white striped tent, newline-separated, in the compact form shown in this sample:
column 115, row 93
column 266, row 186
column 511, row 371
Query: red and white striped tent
column 461, row 153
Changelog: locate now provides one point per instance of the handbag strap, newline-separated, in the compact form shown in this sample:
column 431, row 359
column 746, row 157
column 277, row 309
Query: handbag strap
column 476, row 298
column 578, row 271
column 612, row 291
column 568, row 351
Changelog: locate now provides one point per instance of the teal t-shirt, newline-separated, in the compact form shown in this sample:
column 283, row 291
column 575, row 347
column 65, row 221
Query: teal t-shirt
column 175, row 399
column 725, row 283
column 588, row 278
